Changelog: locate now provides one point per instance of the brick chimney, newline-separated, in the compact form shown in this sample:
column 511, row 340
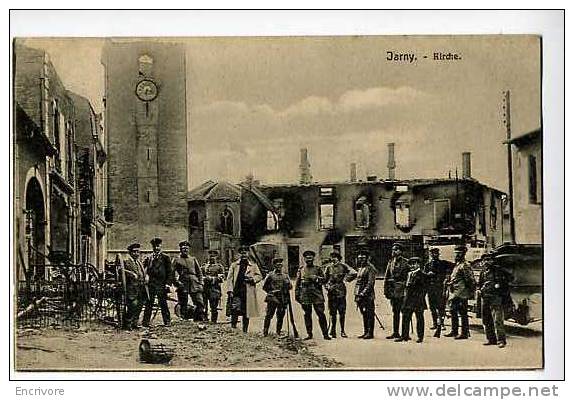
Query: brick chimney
column 353, row 172
column 466, row 170
column 305, row 168
column 391, row 164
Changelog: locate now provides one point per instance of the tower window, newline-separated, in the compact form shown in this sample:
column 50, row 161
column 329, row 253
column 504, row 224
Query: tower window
column 145, row 65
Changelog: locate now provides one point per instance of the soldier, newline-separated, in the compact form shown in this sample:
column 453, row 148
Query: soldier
column 213, row 277
column 189, row 282
column 438, row 270
column 394, row 287
column 160, row 278
column 336, row 274
column 277, row 286
column 242, row 277
column 494, row 289
column 136, row 290
column 414, row 301
column 365, row 293
column 309, row 293
column 461, row 287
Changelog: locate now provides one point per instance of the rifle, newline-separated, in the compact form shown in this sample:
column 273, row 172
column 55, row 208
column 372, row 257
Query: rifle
column 291, row 319
column 122, row 307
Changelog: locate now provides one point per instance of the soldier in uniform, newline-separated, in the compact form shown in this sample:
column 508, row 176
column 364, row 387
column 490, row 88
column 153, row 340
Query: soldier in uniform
column 213, row 277
column 189, row 283
column 461, row 287
column 309, row 293
column 160, row 278
column 414, row 301
column 438, row 270
column 494, row 289
column 394, row 287
column 365, row 293
column 336, row 274
column 135, row 286
column 277, row 286
column 242, row 277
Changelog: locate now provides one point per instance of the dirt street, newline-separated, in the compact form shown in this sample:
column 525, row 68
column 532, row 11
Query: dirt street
column 216, row 347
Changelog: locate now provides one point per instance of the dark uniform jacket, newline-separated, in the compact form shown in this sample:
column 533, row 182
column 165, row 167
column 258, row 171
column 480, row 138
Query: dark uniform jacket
column 488, row 281
column 365, row 285
column 336, row 274
column 213, row 277
column 189, row 275
column 396, row 277
column 135, row 276
column 277, row 287
column 461, row 283
column 309, row 285
column 415, row 290
column 158, row 267
column 440, row 270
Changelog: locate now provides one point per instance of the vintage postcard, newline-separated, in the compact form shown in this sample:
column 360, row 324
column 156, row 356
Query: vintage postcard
column 278, row 203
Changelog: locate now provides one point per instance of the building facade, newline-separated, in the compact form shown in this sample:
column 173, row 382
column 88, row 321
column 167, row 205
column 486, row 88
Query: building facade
column 146, row 128
column 46, row 201
column 91, row 173
column 527, row 187
column 418, row 213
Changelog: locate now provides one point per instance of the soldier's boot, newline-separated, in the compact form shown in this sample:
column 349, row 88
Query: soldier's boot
column 214, row 316
column 396, row 326
column 266, row 323
column 324, row 327
column 308, row 327
column 365, row 327
column 234, row 320
column 245, row 323
column 342, row 320
column 370, row 327
column 454, row 328
column 279, row 325
column 333, row 331
column 465, row 334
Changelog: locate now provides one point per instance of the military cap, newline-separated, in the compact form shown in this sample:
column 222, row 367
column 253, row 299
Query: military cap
column 243, row 248
column 309, row 253
column 398, row 246
column 413, row 260
column 134, row 246
column 277, row 260
column 184, row 243
column 460, row 247
column 156, row 241
column 213, row 252
column 335, row 253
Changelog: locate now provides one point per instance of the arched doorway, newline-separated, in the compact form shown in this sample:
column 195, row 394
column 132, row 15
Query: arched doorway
column 35, row 229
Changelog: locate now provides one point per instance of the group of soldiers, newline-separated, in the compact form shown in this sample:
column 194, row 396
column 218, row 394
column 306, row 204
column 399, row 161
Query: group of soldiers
column 407, row 285
column 153, row 277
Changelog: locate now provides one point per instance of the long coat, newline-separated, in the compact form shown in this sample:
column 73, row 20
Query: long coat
column 415, row 291
column 158, row 268
column 252, row 271
column 309, row 285
column 396, row 277
column 135, row 277
column 461, row 283
column 189, row 274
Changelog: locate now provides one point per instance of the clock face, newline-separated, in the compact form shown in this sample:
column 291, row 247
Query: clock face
column 146, row 90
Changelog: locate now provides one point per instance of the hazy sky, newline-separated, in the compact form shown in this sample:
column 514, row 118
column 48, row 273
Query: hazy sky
column 253, row 102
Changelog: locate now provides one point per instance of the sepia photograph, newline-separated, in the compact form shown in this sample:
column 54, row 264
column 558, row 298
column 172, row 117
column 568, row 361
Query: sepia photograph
column 278, row 203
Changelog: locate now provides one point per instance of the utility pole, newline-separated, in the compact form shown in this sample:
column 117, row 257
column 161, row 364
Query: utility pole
column 506, row 118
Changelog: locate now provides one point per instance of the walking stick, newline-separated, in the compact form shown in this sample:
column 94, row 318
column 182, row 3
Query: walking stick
column 379, row 321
